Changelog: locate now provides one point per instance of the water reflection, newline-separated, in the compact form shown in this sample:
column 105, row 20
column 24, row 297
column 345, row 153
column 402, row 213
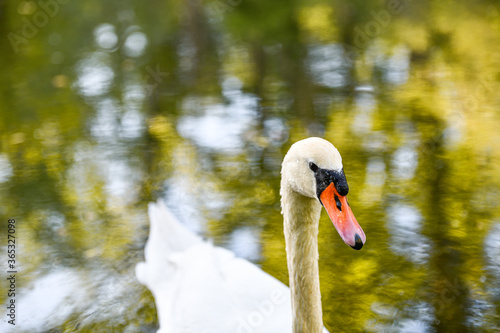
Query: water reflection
column 492, row 249
column 327, row 65
column 244, row 242
column 221, row 126
column 105, row 36
column 397, row 66
column 5, row 168
column 365, row 105
column 95, row 75
column 405, row 161
column 405, row 224
column 58, row 295
column 198, row 102
column 135, row 44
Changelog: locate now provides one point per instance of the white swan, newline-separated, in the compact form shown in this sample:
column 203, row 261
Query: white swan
column 199, row 287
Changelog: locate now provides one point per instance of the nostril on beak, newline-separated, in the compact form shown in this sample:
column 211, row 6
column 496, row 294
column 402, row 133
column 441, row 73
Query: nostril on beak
column 358, row 242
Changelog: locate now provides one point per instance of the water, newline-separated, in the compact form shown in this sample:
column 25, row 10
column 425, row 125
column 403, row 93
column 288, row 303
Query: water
column 108, row 106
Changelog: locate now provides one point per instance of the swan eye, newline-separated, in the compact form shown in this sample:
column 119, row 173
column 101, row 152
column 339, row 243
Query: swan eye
column 313, row 167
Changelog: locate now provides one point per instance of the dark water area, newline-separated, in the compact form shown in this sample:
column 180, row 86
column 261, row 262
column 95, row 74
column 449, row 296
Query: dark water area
column 106, row 106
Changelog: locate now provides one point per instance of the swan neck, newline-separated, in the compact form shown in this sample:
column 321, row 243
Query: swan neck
column 301, row 218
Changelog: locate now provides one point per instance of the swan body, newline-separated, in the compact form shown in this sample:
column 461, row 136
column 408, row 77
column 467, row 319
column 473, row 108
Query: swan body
column 199, row 287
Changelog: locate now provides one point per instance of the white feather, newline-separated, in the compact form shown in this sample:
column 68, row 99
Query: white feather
column 199, row 287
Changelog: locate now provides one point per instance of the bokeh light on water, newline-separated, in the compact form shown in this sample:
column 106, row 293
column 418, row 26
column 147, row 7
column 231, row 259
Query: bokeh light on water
column 107, row 106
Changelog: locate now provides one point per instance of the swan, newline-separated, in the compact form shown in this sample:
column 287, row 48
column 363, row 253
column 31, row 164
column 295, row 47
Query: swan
column 199, row 287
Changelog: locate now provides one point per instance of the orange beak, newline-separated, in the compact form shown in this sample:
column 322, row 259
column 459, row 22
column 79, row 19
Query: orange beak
column 342, row 217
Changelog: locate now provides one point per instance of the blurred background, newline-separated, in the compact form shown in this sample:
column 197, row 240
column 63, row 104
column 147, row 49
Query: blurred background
column 108, row 105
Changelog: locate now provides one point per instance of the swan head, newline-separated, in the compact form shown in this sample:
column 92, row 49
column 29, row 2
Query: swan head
column 313, row 168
